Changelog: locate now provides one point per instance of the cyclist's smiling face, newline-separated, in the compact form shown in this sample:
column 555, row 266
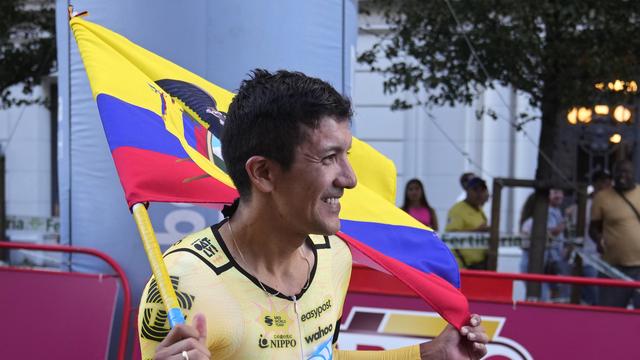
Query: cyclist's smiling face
column 308, row 194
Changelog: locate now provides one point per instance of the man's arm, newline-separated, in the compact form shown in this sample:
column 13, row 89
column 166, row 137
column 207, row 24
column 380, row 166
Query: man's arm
column 483, row 227
column 468, row 343
column 557, row 230
column 595, row 232
column 596, row 225
column 455, row 222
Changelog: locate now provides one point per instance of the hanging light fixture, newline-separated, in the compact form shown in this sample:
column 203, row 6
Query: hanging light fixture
column 584, row 115
column 615, row 138
column 572, row 116
column 621, row 114
column 601, row 109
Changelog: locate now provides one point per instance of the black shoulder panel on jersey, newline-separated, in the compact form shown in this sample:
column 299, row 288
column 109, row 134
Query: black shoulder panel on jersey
column 217, row 269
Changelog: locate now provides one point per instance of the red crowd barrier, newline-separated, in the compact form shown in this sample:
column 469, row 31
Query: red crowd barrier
column 381, row 313
column 119, row 273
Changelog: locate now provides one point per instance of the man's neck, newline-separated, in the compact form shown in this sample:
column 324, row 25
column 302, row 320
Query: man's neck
column 471, row 203
column 268, row 244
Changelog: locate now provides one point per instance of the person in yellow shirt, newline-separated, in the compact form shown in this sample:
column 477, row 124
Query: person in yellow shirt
column 467, row 216
column 615, row 225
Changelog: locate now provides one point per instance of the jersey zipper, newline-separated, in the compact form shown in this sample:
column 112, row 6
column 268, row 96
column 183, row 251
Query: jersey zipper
column 299, row 323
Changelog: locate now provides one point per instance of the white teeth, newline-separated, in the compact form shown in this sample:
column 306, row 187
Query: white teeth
column 332, row 201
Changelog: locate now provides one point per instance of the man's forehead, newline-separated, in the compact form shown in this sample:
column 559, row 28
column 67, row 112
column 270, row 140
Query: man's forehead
column 329, row 133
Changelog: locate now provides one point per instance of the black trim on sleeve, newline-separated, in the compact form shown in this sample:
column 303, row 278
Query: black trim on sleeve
column 336, row 333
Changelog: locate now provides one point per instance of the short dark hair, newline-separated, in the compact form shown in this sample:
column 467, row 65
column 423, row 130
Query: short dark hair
column 270, row 116
column 464, row 179
column 601, row 175
column 476, row 182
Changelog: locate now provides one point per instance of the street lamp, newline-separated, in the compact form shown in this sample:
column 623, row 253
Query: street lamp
column 604, row 127
column 621, row 114
column 601, row 110
column 579, row 115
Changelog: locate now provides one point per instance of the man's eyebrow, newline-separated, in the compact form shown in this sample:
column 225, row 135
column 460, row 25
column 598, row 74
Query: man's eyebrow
column 334, row 148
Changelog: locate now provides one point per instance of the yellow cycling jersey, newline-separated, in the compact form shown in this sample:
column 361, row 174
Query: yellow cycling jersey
column 243, row 321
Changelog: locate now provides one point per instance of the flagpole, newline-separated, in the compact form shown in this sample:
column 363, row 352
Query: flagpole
column 158, row 268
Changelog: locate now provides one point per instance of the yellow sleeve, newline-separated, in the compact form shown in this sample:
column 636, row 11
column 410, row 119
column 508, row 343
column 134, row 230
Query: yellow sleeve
column 455, row 220
column 403, row 353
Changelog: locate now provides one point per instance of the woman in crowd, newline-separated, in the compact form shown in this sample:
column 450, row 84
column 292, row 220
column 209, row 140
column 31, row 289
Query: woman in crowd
column 416, row 204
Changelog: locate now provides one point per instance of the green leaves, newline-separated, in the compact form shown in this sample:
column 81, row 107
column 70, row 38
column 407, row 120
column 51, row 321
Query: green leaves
column 27, row 48
column 570, row 45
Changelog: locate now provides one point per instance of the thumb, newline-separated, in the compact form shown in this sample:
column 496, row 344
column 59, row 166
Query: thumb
column 200, row 323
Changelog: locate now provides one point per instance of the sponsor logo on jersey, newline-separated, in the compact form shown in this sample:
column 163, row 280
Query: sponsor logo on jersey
column 278, row 341
column 205, row 246
column 315, row 313
column 319, row 334
column 154, row 318
column 275, row 320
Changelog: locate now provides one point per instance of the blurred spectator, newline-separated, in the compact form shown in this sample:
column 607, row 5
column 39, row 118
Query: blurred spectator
column 601, row 181
column 417, row 205
column 615, row 224
column 464, row 179
column 467, row 215
column 526, row 219
column 556, row 251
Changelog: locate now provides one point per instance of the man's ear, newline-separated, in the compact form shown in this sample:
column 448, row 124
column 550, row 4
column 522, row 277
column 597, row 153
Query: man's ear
column 261, row 173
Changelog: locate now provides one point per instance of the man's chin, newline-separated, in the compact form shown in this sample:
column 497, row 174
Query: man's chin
column 329, row 229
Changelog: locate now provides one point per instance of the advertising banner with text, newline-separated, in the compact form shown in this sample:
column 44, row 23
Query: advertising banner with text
column 516, row 331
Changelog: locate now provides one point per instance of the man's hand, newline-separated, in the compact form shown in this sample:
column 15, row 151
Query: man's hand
column 192, row 339
column 483, row 227
column 451, row 344
column 557, row 230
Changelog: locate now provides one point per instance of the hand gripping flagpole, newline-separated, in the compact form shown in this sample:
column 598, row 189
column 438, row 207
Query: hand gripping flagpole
column 152, row 249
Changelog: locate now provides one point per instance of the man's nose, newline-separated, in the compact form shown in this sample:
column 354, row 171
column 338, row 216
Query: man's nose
column 347, row 177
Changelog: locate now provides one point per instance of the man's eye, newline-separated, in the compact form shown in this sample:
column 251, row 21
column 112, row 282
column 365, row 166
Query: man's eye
column 329, row 159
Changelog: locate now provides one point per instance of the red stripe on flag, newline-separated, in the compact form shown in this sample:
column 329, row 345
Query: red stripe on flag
column 443, row 297
column 201, row 140
column 151, row 176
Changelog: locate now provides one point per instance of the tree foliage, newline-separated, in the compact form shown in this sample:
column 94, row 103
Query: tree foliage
column 551, row 50
column 27, row 48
